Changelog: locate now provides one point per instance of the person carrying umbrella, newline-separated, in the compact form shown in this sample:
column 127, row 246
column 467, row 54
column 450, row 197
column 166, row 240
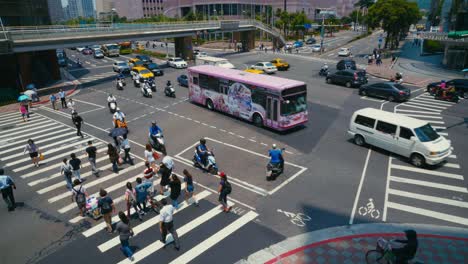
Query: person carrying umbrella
column 24, row 112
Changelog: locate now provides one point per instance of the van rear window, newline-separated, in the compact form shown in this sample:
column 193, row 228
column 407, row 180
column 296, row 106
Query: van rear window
column 365, row 121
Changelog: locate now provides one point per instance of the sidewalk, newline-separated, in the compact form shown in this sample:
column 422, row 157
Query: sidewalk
column 349, row 244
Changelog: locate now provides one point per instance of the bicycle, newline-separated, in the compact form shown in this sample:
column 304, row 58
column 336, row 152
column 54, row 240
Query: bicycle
column 382, row 253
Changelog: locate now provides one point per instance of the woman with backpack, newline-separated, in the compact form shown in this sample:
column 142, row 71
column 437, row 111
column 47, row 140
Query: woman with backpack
column 66, row 170
column 106, row 205
column 224, row 189
column 113, row 157
column 130, row 197
column 125, row 232
column 33, row 151
column 79, row 195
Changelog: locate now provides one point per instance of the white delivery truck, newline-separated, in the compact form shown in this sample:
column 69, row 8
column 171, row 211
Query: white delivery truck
column 215, row 61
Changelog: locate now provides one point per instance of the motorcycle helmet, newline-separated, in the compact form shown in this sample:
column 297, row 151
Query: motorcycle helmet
column 273, row 146
column 202, row 141
column 117, row 109
column 153, row 123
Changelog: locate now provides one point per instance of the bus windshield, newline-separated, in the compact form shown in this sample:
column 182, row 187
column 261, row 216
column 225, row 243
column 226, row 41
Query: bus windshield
column 112, row 46
column 294, row 104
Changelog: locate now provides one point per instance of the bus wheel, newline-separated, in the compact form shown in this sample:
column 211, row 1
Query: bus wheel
column 209, row 104
column 257, row 120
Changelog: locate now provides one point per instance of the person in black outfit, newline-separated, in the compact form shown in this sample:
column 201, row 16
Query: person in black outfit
column 408, row 251
column 77, row 121
column 165, row 173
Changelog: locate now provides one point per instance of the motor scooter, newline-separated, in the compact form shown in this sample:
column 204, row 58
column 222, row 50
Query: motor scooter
column 112, row 107
column 449, row 96
column 158, row 144
column 120, row 84
column 152, row 84
column 273, row 170
column 210, row 165
column 324, row 71
column 146, row 90
column 169, row 91
column 137, row 82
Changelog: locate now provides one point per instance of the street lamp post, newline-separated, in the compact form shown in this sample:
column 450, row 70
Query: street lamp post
column 112, row 16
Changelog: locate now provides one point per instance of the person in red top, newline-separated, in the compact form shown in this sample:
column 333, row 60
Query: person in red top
column 149, row 175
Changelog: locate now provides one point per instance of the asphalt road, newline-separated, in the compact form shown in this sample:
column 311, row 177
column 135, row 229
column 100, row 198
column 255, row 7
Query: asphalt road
column 327, row 180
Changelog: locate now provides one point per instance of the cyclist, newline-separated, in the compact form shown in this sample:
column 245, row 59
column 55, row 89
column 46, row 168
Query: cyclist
column 408, row 251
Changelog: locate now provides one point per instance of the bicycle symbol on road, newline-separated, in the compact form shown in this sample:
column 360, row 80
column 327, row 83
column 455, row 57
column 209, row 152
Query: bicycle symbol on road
column 298, row 219
column 369, row 209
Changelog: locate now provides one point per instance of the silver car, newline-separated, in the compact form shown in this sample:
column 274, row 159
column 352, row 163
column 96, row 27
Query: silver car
column 120, row 66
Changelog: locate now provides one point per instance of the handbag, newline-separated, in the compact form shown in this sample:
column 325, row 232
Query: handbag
column 120, row 160
column 41, row 156
column 155, row 155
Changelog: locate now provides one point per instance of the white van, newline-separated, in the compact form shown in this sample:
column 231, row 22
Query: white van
column 215, row 61
column 403, row 135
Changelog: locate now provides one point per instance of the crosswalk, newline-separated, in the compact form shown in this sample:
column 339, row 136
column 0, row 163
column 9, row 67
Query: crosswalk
column 436, row 193
column 56, row 141
column 97, row 77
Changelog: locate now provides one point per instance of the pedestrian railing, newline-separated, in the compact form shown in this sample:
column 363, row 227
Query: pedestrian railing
column 440, row 36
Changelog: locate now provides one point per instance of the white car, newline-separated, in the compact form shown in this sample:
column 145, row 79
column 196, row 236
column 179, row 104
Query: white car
column 80, row 49
column 345, row 52
column 317, row 48
column 265, row 66
column 97, row 53
column 121, row 66
column 177, row 63
column 289, row 45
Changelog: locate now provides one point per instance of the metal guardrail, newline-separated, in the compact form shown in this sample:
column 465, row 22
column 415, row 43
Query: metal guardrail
column 61, row 31
column 440, row 36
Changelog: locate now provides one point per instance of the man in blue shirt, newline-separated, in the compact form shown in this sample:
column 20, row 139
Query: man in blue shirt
column 53, row 99
column 276, row 156
column 142, row 192
column 202, row 151
column 6, row 187
column 154, row 130
column 62, row 98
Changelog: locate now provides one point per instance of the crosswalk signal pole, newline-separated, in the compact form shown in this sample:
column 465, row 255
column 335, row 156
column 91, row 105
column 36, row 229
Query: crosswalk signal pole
column 322, row 34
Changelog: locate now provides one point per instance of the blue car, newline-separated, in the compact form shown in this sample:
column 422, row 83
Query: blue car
column 298, row 44
column 183, row 80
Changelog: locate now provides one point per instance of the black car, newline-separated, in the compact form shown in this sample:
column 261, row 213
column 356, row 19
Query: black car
column 388, row 90
column 346, row 64
column 461, row 86
column 153, row 67
column 350, row 78
column 311, row 41
column 144, row 58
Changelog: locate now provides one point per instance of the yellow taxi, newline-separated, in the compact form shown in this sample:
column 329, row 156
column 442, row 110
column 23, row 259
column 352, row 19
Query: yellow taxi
column 145, row 73
column 280, row 64
column 254, row 71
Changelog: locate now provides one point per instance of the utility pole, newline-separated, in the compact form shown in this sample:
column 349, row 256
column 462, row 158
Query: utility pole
column 285, row 5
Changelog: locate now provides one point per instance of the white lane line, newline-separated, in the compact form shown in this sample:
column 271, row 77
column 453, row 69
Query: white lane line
column 426, row 105
column 264, row 144
column 429, row 213
column 222, row 130
column 423, row 116
column 419, row 107
column 451, row 165
column 10, row 114
column 372, row 99
column 290, row 179
column 231, row 133
column 94, row 183
column 358, row 193
column 16, row 119
column 48, row 124
column 35, row 138
column 240, row 136
column 205, row 124
column 431, row 172
column 149, row 223
column 47, row 153
column 424, row 101
column 213, row 127
column 196, row 121
column 439, row 127
column 428, row 198
column 252, row 140
column 21, row 123
column 442, row 134
column 430, row 184
column 63, row 183
column 12, row 156
column 414, row 111
column 202, row 247
column 431, row 98
column 452, row 156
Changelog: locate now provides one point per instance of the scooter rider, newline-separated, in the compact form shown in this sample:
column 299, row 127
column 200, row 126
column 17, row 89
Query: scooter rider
column 111, row 99
column 276, row 156
column 202, row 151
column 155, row 130
column 119, row 115
column 168, row 84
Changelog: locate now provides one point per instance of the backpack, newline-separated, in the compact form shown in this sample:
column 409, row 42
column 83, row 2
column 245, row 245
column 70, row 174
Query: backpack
column 80, row 197
column 106, row 207
column 227, row 187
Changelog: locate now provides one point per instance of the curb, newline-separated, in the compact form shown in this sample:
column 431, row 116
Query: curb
column 291, row 245
column 68, row 93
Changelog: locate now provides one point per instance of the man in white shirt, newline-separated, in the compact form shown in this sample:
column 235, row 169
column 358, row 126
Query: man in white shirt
column 119, row 115
column 166, row 224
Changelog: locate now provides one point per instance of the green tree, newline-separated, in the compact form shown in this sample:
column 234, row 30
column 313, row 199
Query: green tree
column 190, row 16
column 364, row 3
column 395, row 18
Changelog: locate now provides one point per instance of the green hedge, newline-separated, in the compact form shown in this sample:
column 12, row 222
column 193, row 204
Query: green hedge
column 155, row 54
column 432, row 46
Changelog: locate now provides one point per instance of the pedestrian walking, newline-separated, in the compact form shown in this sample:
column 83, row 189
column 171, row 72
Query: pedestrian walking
column 113, row 157
column 175, row 186
column 79, row 195
column 165, row 171
column 142, row 189
column 125, row 145
column 62, row 98
column 148, row 175
column 66, row 170
column 106, row 205
column 77, row 121
column 189, row 188
column 166, row 224
column 125, row 232
column 71, row 105
column 24, row 112
column 224, row 189
column 150, row 155
column 130, row 198
column 33, row 151
column 75, row 163
column 53, row 100
column 91, row 152
column 6, row 187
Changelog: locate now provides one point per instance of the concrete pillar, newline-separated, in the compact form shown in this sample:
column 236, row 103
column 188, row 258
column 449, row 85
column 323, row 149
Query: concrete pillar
column 444, row 60
column 248, row 40
column 183, row 47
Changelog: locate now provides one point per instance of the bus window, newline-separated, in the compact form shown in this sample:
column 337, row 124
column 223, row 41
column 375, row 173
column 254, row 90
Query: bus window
column 275, row 109
column 195, row 80
column 259, row 97
column 268, row 108
column 294, row 104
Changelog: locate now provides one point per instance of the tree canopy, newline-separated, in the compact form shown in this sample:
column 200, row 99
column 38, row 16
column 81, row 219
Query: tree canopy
column 395, row 18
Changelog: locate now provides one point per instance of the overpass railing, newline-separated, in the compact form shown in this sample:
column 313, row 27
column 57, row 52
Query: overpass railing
column 440, row 36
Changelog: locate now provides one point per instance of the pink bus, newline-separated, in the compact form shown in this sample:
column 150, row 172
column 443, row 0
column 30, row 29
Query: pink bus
column 264, row 100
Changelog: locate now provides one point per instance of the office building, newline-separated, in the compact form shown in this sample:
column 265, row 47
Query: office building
column 55, row 10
